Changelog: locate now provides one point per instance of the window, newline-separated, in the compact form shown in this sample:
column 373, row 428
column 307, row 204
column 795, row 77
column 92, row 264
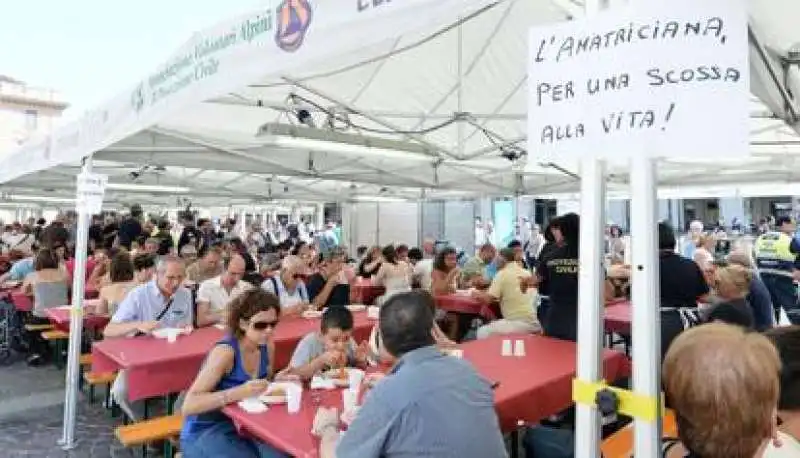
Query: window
column 31, row 119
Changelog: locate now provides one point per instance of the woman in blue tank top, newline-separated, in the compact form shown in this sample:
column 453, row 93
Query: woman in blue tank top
column 237, row 368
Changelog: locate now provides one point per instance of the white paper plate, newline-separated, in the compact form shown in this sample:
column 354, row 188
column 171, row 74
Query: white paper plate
column 252, row 405
column 163, row 333
column 333, row 375
column 275, row 394
column 356, row 307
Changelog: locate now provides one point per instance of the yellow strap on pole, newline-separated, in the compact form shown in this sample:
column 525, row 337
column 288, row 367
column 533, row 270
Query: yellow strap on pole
column 631, row 404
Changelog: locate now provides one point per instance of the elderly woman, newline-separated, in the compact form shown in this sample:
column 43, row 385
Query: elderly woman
column 723, row 384
column 787, row 341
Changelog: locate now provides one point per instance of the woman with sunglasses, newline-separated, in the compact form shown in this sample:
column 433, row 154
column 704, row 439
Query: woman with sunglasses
column 237, row 368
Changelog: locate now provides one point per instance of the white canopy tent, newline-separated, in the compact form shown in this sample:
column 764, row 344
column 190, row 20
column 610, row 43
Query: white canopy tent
column 429, row 112
column 410, row 99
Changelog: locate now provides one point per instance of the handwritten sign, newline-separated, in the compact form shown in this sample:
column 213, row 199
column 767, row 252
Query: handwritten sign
column 666, row 78
column 91, row 189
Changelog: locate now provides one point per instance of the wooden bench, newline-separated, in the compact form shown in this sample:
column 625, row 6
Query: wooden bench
column 94, row 379
column 86, row 359
column 151, row 431
column 38, row 327
column 620, row 444
column 55, row 334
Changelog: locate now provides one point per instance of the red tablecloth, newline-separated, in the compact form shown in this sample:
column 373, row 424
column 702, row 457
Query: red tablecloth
column 156, row 367
column 531, row 388
column 362, row 291
column 288, row 432
column 21, row 302
column 60, row 317
column 618, row 317
column 457, row 303
column 538, row 384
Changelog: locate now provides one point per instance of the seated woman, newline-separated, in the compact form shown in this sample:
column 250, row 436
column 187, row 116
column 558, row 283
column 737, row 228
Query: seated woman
column 121, row 279
column 289, row 287
column 723, row 383
column 329, row 348
column 444, row 278
column 394, row 274
column 787, row 341
column 48, row 285
column 98, row 278
column 237, row 368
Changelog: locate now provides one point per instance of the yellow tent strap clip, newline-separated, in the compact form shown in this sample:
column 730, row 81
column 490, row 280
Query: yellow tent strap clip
column 631, row 404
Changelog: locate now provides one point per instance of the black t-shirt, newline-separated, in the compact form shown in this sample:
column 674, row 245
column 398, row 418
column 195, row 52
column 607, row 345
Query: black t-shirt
column 339, row 296
column 681, row 281
column 109, row 234
column 96, row 235
column 129, row 231
column 362, row 269
column 558, row 273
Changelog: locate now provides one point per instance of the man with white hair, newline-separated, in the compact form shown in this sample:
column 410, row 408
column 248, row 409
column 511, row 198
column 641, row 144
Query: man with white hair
column 161, row 302
column 690, row 244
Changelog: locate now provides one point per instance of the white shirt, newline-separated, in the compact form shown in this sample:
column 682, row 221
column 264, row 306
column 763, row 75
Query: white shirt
column 422, row 272
column 214, row 293
column 296, row 297
column 19, row 241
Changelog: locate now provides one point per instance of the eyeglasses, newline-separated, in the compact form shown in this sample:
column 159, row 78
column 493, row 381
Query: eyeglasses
column 263, row 325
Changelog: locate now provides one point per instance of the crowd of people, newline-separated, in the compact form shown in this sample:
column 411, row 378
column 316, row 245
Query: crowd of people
column 729, row 373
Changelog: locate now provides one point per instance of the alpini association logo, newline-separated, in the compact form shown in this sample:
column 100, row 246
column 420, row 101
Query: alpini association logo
column 294, row 17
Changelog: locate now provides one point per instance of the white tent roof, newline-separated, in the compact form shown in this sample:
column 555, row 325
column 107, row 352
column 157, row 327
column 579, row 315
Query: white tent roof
column 445, row 95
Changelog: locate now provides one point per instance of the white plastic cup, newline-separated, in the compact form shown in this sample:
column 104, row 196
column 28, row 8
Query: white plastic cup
column 506, row 349
column 355, row 378
column 294, row 396
column 172, row 335
column 349, row 400
column 519, row 348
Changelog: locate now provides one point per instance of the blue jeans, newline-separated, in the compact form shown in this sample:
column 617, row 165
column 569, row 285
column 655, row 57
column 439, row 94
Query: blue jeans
column 223, row 440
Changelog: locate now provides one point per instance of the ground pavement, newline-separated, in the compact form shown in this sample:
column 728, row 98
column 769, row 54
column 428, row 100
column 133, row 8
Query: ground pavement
column 31, row 413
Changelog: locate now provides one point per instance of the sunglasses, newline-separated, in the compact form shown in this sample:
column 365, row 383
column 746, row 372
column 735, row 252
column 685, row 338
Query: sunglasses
column 263, row 325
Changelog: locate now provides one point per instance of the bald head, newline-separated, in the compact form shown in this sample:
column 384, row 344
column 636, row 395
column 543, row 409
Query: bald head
column 234, row 270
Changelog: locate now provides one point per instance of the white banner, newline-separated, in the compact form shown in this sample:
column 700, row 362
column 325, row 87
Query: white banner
column 91, row 189
column 272, row 41
column 662, row 78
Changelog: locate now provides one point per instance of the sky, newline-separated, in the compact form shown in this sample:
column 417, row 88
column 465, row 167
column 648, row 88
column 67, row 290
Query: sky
column 90, row 50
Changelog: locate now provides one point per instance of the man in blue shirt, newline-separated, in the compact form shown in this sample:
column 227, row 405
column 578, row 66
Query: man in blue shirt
column 161, row 302
column 429, row 405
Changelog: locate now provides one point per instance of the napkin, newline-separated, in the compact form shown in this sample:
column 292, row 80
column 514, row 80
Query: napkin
column 320, row 383
column 252, row 405
column 220, row 326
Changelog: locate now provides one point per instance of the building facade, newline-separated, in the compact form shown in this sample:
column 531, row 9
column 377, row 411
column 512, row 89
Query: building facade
column 26, row 112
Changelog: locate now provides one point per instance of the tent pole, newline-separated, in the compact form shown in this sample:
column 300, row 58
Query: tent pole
column 646, row 329
column 590, row 301
column 76, row 322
